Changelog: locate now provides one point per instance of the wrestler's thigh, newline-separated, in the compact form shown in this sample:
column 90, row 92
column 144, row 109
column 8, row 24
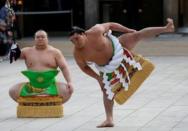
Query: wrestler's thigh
column 129, row 40
column 64, row 92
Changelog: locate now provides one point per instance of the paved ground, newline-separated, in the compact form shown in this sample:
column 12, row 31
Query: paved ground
column 161, row 104
column 164, row 45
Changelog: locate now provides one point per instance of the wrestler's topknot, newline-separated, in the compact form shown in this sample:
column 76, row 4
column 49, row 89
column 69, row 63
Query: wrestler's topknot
column 76, row 29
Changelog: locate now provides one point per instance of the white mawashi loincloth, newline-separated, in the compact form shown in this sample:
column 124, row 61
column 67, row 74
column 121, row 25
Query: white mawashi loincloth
column 115, row 66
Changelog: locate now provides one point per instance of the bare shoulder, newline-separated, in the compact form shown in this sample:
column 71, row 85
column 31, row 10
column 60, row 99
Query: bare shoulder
column 54, row 50
column 96, row 29
column 27, row 49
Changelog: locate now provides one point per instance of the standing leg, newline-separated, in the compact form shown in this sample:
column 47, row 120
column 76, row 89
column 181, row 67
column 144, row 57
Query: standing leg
column 108, row 105
column 130, row 40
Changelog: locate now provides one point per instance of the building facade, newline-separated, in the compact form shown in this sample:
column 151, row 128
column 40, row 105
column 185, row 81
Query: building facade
column 137, row 13
column 60, row 15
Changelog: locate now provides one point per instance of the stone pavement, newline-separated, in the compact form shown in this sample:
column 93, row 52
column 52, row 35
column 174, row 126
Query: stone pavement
column 161, row 104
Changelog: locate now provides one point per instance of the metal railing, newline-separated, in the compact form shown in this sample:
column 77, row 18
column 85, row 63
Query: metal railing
column 47, row 13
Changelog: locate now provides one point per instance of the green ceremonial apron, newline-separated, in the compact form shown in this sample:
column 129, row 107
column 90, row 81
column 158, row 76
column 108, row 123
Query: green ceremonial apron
column 40, row 82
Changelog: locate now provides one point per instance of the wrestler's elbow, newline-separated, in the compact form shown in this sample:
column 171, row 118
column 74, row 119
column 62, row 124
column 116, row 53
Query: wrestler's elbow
column 84, row 68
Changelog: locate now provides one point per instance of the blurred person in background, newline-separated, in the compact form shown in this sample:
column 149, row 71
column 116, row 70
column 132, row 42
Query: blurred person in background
column 7, row 17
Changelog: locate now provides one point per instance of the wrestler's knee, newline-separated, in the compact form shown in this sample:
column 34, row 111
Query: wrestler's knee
column 11, row 92
column 64, row 91
column 134, row 37
column 14, row 91
column 138, row 35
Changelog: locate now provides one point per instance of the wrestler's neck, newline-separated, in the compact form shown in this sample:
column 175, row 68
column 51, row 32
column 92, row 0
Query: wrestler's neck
column 41, row 47
column 80, row 45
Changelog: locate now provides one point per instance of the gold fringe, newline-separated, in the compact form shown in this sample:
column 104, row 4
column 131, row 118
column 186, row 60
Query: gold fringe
column 39, row 106
column 39, row 99
column 136, row 80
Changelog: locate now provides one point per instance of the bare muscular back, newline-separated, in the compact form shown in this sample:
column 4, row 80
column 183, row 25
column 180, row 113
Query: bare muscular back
column 39, row 59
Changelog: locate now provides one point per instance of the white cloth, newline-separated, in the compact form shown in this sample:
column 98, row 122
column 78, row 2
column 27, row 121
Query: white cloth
column 116, row 61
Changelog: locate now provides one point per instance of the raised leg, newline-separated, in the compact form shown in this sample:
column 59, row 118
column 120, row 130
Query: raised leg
column 130, row 40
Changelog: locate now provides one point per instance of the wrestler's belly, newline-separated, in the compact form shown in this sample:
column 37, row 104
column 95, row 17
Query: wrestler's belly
column 101, row 59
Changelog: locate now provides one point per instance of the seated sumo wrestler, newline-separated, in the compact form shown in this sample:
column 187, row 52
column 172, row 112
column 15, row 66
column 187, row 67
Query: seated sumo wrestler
column 42, row 61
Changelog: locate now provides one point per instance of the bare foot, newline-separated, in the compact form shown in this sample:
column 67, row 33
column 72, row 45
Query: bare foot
column 106, row 124
column 170, row 25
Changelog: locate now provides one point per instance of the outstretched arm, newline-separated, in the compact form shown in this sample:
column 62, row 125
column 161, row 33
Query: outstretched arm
column 105, row 27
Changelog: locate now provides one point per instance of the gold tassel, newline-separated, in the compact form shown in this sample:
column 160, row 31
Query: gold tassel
column 136, row 80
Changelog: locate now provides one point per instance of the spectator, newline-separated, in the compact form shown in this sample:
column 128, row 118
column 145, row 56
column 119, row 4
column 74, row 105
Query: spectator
column 7, row 17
